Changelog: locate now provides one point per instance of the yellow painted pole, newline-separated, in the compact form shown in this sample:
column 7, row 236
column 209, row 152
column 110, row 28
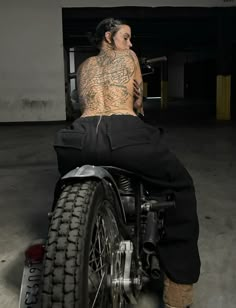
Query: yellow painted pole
column 145, row 89
column 223, row 96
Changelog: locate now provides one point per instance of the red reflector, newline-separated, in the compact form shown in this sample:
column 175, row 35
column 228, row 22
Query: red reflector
column 35, row 252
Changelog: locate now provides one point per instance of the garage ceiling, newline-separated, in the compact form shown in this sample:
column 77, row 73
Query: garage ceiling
column 154, row 30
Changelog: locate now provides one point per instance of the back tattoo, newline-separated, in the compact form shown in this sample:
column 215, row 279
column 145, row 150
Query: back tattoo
column 105, row 82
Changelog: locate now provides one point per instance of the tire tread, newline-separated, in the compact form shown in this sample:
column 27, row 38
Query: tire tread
column 61, row 283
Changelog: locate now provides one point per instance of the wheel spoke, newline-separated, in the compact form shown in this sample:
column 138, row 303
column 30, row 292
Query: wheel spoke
column 99, row 247
column 98, row 259
column 102, row 267
column 105, row 235
column 98, row 289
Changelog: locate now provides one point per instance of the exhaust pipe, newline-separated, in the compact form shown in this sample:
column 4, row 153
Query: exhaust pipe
column 155, row 267
column 151, row 236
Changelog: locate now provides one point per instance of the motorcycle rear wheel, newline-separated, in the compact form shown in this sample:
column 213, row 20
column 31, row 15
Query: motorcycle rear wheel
column 82, row 237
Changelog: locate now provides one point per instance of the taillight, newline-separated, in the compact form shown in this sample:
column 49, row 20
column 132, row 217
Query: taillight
column 35, row 253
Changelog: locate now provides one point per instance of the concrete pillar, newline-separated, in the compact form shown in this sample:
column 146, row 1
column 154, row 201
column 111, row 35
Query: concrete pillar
column 224, row 63
column 164, row 84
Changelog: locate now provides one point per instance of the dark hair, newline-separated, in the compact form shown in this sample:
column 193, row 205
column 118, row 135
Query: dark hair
column 109, row 24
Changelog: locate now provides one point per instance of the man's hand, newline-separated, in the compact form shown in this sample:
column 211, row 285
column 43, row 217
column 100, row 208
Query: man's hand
column 137, row 90
column 138, row 98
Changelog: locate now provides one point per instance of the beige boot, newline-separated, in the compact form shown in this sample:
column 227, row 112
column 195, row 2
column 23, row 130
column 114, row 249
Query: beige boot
column 168, row 306
column 177, row 295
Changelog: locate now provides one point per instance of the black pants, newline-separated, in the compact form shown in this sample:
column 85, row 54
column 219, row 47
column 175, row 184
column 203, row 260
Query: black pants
column 127, row 142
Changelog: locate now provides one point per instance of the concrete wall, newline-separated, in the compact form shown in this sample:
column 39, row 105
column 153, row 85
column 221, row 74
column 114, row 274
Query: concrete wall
column 31, row 54
column 31, row 63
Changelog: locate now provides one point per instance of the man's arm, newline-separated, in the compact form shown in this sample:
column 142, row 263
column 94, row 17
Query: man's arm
column 138, row 87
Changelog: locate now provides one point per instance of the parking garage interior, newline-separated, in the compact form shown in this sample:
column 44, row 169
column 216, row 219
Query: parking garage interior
column 191, row 96
column 192, row 39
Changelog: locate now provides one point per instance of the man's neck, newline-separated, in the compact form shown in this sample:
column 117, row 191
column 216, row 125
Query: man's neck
column 106, row 50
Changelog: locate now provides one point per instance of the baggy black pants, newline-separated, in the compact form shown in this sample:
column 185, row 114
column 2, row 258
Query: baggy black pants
column 125, row 141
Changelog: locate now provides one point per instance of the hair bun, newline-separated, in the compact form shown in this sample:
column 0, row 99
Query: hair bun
column 107, row 24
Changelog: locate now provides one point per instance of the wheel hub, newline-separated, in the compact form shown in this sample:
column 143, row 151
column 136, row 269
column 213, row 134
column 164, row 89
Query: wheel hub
column 124, row 285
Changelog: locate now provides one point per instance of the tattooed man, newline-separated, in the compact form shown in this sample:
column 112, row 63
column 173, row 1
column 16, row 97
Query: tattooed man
column 106, row 82
column 109, row 132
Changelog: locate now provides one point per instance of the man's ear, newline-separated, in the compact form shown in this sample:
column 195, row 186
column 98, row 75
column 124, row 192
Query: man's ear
column 108, row 37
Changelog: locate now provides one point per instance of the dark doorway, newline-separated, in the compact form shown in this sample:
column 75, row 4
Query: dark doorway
column 200, row 80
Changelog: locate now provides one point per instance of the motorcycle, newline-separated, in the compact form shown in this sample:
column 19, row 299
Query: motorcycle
column 101, row 248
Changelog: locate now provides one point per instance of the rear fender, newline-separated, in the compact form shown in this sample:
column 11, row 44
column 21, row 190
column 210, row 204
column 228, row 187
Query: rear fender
column 90, row 171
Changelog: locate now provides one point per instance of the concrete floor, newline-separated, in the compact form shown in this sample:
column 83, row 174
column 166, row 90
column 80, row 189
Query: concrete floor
column 28, row 173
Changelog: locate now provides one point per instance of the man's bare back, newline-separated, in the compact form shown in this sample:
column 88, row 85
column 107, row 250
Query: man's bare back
column 105, row 83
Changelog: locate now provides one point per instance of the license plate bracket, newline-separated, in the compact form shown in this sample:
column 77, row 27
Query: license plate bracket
column 31, row 285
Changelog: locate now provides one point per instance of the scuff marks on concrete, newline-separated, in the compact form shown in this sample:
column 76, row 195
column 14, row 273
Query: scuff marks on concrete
column 4, row 103
column 35, row 104
column 24, row 108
